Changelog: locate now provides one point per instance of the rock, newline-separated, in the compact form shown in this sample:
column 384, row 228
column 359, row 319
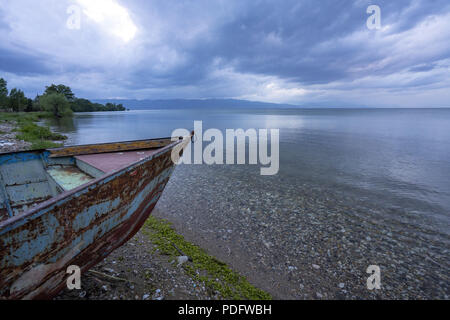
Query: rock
column 319, row 295
column 145, row 297
column 267, row 244
column 315, row 266
column 182, row 259
column 341, row 285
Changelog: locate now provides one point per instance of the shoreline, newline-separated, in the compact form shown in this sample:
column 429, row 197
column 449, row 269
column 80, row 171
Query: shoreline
column 20, row 131
column 152, row 266
column 8, row 140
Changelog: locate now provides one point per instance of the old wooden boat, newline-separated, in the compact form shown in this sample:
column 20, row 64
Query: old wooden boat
column 74, row 206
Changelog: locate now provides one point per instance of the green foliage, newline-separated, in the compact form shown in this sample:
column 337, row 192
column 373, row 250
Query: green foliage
column 84, row 105
column 39, row 137
column 61, row 89
column 215, row 274
column 44, row 144
column 51, row 101
column 56, row 103
column 37, row 104
column 31, row 131
column 4, row 101
column 3, row 87
column 29, row 107
column 114, row 107
column 23, row 118
column 17, row 100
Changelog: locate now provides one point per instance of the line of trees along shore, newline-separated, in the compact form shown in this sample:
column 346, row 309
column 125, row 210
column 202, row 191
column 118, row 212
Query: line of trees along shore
column 57, row 99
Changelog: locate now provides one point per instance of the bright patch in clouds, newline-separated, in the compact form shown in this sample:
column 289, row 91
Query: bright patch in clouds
column 111, row 16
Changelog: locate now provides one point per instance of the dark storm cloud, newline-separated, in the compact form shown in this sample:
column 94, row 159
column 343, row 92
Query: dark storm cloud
column 21, row 63
column 302, row 41
column 281, row 39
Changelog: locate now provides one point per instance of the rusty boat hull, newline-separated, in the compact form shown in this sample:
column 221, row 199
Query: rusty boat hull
column 74, row 206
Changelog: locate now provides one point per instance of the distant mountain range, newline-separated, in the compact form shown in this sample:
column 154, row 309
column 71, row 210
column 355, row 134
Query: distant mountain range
column 194, row 103
column 135, row 104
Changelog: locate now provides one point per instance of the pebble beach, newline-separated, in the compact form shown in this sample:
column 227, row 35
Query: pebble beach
column 8, row 140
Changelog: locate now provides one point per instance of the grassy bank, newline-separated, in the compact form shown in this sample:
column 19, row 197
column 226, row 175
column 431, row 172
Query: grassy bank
column 40, row 137
column 215, row 274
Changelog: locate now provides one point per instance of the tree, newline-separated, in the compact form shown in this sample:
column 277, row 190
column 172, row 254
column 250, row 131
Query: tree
column 3, row 87
column 84, row 105
column 17, row 100
column 29, row 106
column 3, row 94
column 37, row 104
column 55, row 103
column 62, row 89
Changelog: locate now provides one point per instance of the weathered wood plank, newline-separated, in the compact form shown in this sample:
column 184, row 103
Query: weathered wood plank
column 108, row 147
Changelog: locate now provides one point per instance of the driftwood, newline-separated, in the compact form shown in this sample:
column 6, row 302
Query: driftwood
column 107, row 276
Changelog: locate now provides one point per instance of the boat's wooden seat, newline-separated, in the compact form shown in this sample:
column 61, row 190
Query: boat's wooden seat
column 69, row 177
column 109, row 162
column 25, row 184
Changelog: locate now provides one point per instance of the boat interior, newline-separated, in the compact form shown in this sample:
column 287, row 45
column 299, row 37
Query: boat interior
column 30, row 178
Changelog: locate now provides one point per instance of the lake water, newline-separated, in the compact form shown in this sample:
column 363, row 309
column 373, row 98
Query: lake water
column 380, row 176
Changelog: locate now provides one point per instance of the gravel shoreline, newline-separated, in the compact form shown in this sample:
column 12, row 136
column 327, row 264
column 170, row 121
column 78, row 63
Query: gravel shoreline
column 8, row 140
column 147, row 275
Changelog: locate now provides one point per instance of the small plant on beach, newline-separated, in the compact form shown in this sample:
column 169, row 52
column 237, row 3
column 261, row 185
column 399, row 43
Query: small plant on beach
column 32, row 131
column 40, row 137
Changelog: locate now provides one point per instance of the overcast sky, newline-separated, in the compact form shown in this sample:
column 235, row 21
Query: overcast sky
column 301, row 52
